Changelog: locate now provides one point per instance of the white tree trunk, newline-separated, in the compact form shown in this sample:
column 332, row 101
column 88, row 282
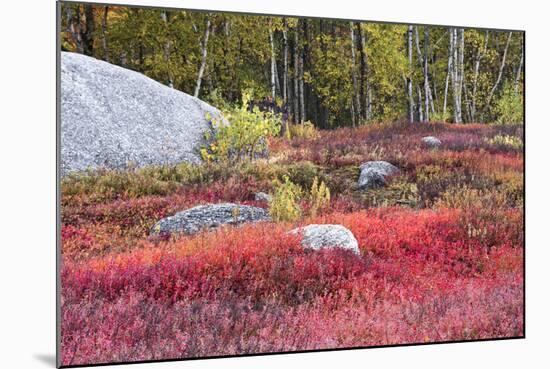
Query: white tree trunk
column 501, row 69
column 449, row 71
column 426, row 82
column 457, row 46
column 285, row 62
column 420, row 112
column 519, row 70
column 302, row 102
column 428, row 90
column 409, row 77
column 204, row 51
column 166, row 49
column 272, row 44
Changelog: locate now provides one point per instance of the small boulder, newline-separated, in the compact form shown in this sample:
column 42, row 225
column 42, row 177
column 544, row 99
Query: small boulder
column 201, row 217
column 431, row 142
column 374, row 173
column 262, row 196
column 321, row 236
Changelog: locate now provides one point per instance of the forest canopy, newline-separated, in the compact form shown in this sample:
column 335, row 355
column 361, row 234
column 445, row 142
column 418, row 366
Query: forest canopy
column 332, row 73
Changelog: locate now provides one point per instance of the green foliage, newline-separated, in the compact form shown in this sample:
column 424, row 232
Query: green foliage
column 167, row 46
column 440, row 117
column 245, row 137
column 387, row 53
column 510, row 106
column 303, row 173
column 284, row 206
column 319, row 197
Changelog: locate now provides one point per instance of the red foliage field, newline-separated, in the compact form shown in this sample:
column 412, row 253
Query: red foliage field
column 445, row 266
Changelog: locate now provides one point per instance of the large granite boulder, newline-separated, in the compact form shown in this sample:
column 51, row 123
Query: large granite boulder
column 209, row 216
column 112, row 117
column 431, row 142
column 374, row 173
column 322, row 236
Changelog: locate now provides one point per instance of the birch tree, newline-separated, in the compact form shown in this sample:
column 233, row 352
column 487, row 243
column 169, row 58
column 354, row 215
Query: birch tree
column 81, row 26
column 519, row 69
column 426, row 82
column 499, row 76
column 321, row 70
column 457, row 70
column 273, row 63
column 204, row 51
column 166, row 48
column 422, row 60
column 285, row 62
column 409, row 76
column 449, row 66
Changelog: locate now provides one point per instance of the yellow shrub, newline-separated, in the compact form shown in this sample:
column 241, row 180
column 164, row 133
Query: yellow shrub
column 506, row 140
column 319, row 197
column 284, row 206
column 467, row 198
column 305, row 130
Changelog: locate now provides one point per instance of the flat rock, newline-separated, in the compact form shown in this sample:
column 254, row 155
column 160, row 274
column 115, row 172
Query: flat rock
column 209, row 216
column 262, row 196
column 374, row 173
column 322, row 236
column 112, row 118
column 431, row 141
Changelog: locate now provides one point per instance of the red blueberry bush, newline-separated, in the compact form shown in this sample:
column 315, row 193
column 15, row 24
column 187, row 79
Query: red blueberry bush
column 446, row 266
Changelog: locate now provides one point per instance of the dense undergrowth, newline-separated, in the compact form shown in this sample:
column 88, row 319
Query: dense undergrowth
column 441, row 250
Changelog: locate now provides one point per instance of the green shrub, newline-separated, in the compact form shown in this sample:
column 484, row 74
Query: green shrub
column 440, row 117
column 216, row 99
column 303, row 173
column 245, row 136
column 510, row 106
column 284, row 206
column 319, row 197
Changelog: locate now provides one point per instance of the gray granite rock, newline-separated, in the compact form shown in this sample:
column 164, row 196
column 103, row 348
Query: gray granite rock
column 201, row 217
column 321, row 236
column 431, row 141
column 262, row 196
column 374, row 173
column 112, row 117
